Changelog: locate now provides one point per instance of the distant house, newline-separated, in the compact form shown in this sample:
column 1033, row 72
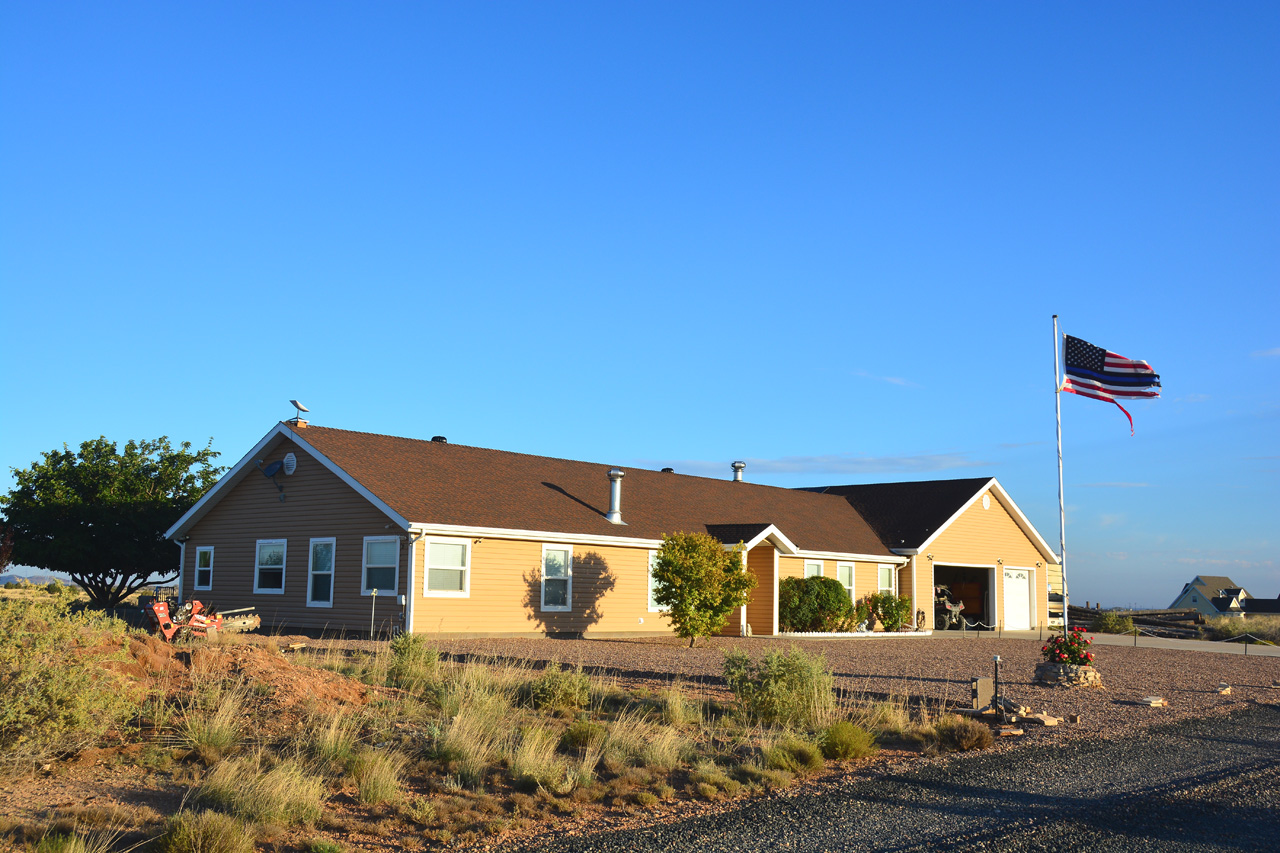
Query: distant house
column 1213, row 595
column 1267, row 606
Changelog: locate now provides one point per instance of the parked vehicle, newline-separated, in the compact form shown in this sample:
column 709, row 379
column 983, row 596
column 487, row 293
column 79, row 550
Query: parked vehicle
column 946, row 609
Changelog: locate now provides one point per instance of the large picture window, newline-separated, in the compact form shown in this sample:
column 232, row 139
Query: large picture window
column 557, row 577
column 268, row 575
column 381, row 565
column 204, row 568
column 654, row 607
column 320, row 572
column 448, row 567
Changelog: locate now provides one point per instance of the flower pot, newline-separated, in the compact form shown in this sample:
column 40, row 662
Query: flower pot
column 1066, row 675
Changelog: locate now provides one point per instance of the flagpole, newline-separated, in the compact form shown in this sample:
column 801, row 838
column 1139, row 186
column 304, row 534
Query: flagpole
column 1062, row 506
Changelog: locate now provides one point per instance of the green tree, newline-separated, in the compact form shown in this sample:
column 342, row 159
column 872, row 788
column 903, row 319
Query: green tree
column 100, row 514
column 699, row 582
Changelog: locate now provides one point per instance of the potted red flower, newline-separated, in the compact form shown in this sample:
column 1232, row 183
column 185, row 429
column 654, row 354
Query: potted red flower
column 1068, row 661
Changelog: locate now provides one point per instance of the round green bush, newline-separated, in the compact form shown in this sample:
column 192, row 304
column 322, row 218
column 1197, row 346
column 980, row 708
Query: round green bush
column 843, row 740
column 814, row 604
column 1110, row 622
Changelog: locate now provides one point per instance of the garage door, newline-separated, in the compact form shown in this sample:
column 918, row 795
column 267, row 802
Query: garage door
column 1017, row 600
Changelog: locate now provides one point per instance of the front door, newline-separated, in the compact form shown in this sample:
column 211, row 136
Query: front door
column 1017, row 600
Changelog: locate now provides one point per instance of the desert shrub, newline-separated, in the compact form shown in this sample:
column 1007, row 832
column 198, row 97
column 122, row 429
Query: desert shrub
column 559, row 688
column 580, row 733
column 213, row 736
column 1228, row 627
column 769, row 778
column 814, row 604
column 284, row 794
column 961, row 734
column 415, row 663
column 677, row 710
column 662, row 750
column 98, row 841
column 473, row 739
column 708, row 779
column 534, row 762
column 843, row 740
column 1111, row 622
column 792, row 754
column 783, row 689
column 376, row 773
column 57, row 694
column 893, row 611
column 626, row 737
column 10, row 585
column 205, row 832
column 331, row 739
column 647, row 799
column 324, row 845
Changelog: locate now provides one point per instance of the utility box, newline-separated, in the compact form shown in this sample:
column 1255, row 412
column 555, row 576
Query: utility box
column 984, row 692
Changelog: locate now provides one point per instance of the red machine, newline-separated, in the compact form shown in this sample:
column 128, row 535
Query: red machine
column 192, row 620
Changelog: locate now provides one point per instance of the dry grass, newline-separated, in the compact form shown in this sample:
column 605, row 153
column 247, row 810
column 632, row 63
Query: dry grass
column 331, row 738
column 205, row 832
column 95, row 841
column 377, row 774
column 244, row 787
column 535, row 763
column 212, row 736
column 474, row 738
column 1228, row 627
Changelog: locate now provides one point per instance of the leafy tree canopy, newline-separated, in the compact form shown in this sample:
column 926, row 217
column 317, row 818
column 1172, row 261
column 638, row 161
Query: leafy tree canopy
column 100, row 514
column 700, row 583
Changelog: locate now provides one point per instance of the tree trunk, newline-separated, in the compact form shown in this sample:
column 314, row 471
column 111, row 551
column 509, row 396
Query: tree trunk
column 693, row 640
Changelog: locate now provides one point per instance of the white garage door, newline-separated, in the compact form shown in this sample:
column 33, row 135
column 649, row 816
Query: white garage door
column 1017, row 600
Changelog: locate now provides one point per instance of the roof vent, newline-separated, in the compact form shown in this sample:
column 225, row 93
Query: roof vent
column 440, row 439
column 737, row 471
column 615, row 496
column 668, row 470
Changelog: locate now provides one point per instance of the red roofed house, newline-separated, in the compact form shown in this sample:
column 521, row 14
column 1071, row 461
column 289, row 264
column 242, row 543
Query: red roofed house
column 466, row 540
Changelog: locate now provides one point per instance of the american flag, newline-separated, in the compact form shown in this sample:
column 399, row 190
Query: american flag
column 1101, row 375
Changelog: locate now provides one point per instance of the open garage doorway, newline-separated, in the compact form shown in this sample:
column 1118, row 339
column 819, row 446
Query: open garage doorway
column 971, row 585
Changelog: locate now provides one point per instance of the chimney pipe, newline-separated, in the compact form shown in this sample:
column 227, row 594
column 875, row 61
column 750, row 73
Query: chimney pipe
column 737, row 471
column 615, row 496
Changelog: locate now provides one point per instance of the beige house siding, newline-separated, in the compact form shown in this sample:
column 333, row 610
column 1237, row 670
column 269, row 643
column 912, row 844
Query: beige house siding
column 761, row 599
column 982, row 537
column 317, row 504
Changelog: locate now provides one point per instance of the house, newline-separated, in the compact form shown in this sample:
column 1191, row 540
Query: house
column 1212, row 595
column 324, row 528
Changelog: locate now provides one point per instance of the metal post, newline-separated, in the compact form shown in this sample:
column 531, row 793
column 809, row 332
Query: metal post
column 996, row 692
column 1062, row 504
column 373, row 608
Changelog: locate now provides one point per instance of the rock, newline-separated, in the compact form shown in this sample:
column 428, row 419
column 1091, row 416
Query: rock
column 1067, row 675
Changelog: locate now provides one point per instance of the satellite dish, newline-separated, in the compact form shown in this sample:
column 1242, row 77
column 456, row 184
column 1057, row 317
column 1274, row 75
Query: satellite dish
column 272, row 469
column 298, row 406
column 290, row 464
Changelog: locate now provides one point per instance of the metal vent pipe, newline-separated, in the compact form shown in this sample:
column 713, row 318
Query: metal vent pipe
column 615, row 496
column 737, row 471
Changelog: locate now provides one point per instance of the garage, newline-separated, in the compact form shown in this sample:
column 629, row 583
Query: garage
column 971, row 585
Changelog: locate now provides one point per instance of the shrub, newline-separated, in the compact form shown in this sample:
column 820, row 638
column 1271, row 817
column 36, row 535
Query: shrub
column 376, row 773
column 101, row 841
column 662, row 750
column 324, row 845
column 559, row 688
column 699, row 583
column 792, row 754
column 474, row 738
column 814, row 604
column 285, row 794
column 843, row 740
column 1267, row 628
column 331, row 740
column 893, row 611
column 415, row 664
column 1111, row 622
column 57, row 694
column 783, row 689
column 579, row 734
column 205, row 832
column 708, row 779
column 1071, row 649
column 960, row 734
column 212, row 736
column 535, row 764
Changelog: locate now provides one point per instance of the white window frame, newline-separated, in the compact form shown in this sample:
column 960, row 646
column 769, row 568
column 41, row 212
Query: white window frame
column 202, row 550
column 364, row 566
column 853, row 578
column 808, row 564
column 653, row 558
column 568, row 596
column 427, row 592
column 893, row 578
column 311, row 569
column 257, row 565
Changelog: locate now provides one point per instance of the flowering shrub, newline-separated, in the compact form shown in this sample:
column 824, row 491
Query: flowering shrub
column 1072, row 649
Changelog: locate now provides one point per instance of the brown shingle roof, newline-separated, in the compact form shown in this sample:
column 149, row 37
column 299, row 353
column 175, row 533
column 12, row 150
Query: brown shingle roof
column 907, row 514
column 437, row 483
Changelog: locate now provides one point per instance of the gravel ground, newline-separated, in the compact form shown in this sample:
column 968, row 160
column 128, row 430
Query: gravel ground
column 1193, row 785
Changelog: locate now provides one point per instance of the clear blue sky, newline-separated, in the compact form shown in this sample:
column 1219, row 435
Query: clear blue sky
column 824, row 238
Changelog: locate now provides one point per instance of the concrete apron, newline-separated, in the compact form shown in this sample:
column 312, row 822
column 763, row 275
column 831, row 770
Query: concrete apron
column 1144, row 642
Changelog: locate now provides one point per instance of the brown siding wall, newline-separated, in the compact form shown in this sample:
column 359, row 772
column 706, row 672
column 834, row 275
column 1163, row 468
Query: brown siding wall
column 317, row 504
column 610, row 593
column 982, row 536
column 760, row 604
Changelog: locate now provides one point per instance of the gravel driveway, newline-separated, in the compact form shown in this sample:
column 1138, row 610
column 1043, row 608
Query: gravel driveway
column 1200, row 784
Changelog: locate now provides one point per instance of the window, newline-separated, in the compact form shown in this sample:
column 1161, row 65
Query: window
column 886, row 578
column 204, row 568
column 320, row 572
column 448, row 563
column 654, row 607
column 268, row 575
column 381, row 564
column 557, row 577
column 813, row 569
column 844, row 574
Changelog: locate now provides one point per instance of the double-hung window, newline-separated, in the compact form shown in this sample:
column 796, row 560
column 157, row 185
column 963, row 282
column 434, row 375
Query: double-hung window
column 268, row 574
column 204, row 568
column 844, row 574
column 654, row 607
column 813, row 568
column 381, row 565
column 448, row 568
column 557, row 577
column 886, row 578
column 320, row 572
